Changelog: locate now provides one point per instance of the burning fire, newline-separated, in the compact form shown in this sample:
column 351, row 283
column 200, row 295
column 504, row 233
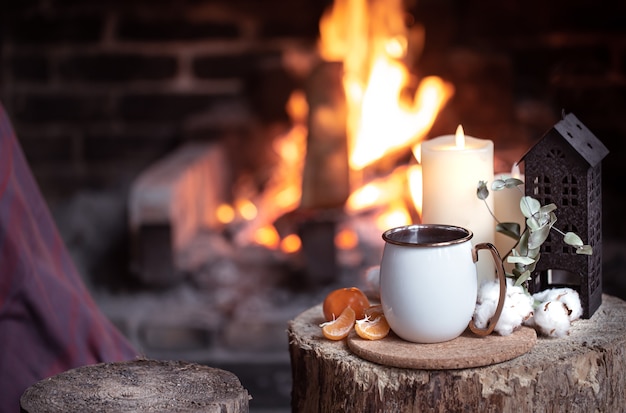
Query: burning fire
column 372, row 41
column 282, row 192
column 388, row 112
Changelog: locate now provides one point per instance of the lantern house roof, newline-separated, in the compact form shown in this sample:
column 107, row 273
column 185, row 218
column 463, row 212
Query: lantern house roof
column 576, row 134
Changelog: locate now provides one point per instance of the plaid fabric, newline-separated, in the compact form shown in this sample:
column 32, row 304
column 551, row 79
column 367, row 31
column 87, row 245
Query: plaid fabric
column 48, row 321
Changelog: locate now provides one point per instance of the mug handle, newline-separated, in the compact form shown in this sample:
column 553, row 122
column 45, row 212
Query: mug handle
column 501, row 280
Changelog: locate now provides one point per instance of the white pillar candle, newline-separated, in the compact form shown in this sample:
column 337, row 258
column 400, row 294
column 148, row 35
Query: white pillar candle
column 452, row 166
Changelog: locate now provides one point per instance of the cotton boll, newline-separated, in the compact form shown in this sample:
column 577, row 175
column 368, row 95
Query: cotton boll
column 517, row 307
column 571, row 299
column 530, row 321
column 567, row 296
column 483, row 313
column 486, row 303
column 551, row 294
column 489, row 291
column 552, row 319
column 545, row 295
column 509, row 320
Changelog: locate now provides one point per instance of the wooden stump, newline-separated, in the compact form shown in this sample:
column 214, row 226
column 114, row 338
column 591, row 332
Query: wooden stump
column 580, row 373
column 138, row 386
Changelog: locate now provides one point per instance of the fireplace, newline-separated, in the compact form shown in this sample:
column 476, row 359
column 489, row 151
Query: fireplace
column 101, row 92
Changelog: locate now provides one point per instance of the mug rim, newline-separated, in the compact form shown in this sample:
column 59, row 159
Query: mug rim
column 463, row 235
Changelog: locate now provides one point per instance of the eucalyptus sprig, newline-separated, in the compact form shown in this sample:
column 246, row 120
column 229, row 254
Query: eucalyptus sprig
column 539, row 222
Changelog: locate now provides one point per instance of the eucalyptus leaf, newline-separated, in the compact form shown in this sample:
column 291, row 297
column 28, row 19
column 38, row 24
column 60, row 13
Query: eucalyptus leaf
column 523, row 277
column 529, row 206
column 534, row 253
column 538, row 237
column 532, row 266
column 513, row 182
column 520, row 268
column 544, row 218
column 584, row 250
column 536, row 222
column 553, row 218
column 572, row 239
column 523, row 243
column 498, row 185
column 510, row 229
column 520, row 260
column 481, row 191
column 547, row 208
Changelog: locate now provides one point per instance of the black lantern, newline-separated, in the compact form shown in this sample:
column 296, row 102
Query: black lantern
column 564, row 168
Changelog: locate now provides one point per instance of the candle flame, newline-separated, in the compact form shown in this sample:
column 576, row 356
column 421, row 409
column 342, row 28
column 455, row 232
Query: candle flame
column 460, row 138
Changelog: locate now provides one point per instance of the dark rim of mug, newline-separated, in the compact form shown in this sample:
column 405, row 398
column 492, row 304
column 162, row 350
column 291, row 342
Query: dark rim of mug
column 427, row 235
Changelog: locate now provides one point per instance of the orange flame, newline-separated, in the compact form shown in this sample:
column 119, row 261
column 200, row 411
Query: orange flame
column 414, row 176
column 282, row 191
column 373, row 42
column 388, row 124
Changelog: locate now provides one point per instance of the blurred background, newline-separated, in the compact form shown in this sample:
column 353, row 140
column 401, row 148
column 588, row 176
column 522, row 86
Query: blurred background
column 100, row 93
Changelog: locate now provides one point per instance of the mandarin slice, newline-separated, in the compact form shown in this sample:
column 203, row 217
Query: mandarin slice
column 372, row 328
column 340, row 327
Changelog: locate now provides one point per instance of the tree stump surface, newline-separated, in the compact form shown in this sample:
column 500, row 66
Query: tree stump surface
column 583, row 372
column 138, row 386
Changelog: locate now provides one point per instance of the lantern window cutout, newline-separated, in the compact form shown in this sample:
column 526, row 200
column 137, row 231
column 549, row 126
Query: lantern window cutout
column 564, row 168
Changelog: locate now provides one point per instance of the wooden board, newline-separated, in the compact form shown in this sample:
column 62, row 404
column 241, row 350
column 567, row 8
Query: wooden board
column 465, row 351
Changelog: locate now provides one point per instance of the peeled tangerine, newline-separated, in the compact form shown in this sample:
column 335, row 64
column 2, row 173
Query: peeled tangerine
column 372, row 327
column 341, row 326
column 336, row 301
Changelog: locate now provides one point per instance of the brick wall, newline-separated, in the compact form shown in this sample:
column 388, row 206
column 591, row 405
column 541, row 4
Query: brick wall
column 98, row 90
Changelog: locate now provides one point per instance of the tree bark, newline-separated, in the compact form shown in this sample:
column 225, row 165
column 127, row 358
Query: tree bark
column 580, row 373
column 138, row 386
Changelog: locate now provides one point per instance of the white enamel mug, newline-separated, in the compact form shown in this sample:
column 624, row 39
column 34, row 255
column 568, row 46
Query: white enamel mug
column 428, row 282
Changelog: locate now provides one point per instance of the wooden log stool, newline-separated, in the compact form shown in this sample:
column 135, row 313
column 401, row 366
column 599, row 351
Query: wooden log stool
column 582, row 372
column 138, row 386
